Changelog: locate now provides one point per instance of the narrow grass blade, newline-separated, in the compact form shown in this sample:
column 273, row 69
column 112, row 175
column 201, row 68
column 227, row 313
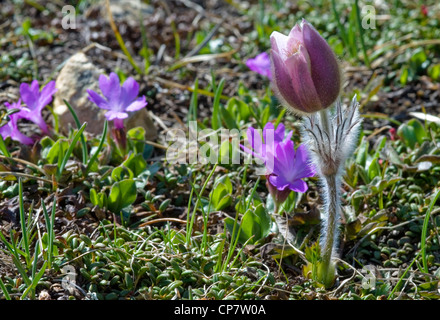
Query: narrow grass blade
column 361, row 33
column 351, row 36
column 5, row 291
column 3, row 148
column 235, row 237
column 22, row 271
column 23, row 222
column 50, row 230
column 205, row 216
column 145, row 50
column 192, row 112
column 70, row 150
column 402, row 277
column 190, row 226
column 35, row 263
column 216, row 121
column 78, row 124
column 425, row 230
column 34, row 283
column 101, row 144
column 56, row 119
column 340, row 26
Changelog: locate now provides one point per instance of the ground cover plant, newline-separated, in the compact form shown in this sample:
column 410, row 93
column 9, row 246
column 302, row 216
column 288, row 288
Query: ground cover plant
column 220, row 150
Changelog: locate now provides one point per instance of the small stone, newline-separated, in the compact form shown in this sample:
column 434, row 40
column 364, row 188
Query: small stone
column 78, row 75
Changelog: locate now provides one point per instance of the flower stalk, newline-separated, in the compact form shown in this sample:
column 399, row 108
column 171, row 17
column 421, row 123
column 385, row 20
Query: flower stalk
column 331, row 139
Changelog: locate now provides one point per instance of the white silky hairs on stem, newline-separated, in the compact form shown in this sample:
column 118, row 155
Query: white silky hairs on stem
column 331, row 138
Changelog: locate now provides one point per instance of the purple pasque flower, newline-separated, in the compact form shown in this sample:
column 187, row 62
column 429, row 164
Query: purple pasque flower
column 260, row 64
column 118, row 100
column 306, row 73
column 35, row 102
column 10, row 129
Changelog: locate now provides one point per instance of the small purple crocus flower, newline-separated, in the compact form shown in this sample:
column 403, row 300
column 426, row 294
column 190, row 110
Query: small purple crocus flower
column 35, row 102
column 118, row 100
column 285, row 167
column 290, row 167
column 10, row 129
column 271, row 137
column 260, row 64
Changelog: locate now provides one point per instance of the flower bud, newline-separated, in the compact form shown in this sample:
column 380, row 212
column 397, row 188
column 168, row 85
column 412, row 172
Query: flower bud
column 306, row 76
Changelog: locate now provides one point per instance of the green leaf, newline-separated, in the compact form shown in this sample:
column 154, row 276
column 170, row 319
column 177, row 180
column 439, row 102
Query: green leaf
column 419, row 130
column 136, row 163
column 216, row 122
column 225, row 152
column 238, row 108
column 192, row 110
column 97, row 199
column 265, row 116
column 122, row 194
column 58, row 148
column 137, row 137
column 418, row 58
column 229, row 223
column 26, row 26
column 404, row 76
column 255, row 222
column 374, row 169
column 434, row 72
column 220, row 197
column 361, row 157
column 3, row 148
column 47, row 142
column 408, row 135
column 226, row 181
column 94, row 197
column 121, row 173
column 228, row 118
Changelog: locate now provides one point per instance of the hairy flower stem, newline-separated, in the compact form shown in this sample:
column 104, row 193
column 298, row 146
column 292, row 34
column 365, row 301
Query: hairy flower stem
column 331, row 138
column 331, row 183
column 328, row 242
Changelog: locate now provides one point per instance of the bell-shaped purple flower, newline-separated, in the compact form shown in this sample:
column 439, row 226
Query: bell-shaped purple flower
column 118, row 100
column 306, row 76
column 260, row 64
column 290, row 167
column 35, row 102
column 10, row 129
column 263, row 147
column 285, row 167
